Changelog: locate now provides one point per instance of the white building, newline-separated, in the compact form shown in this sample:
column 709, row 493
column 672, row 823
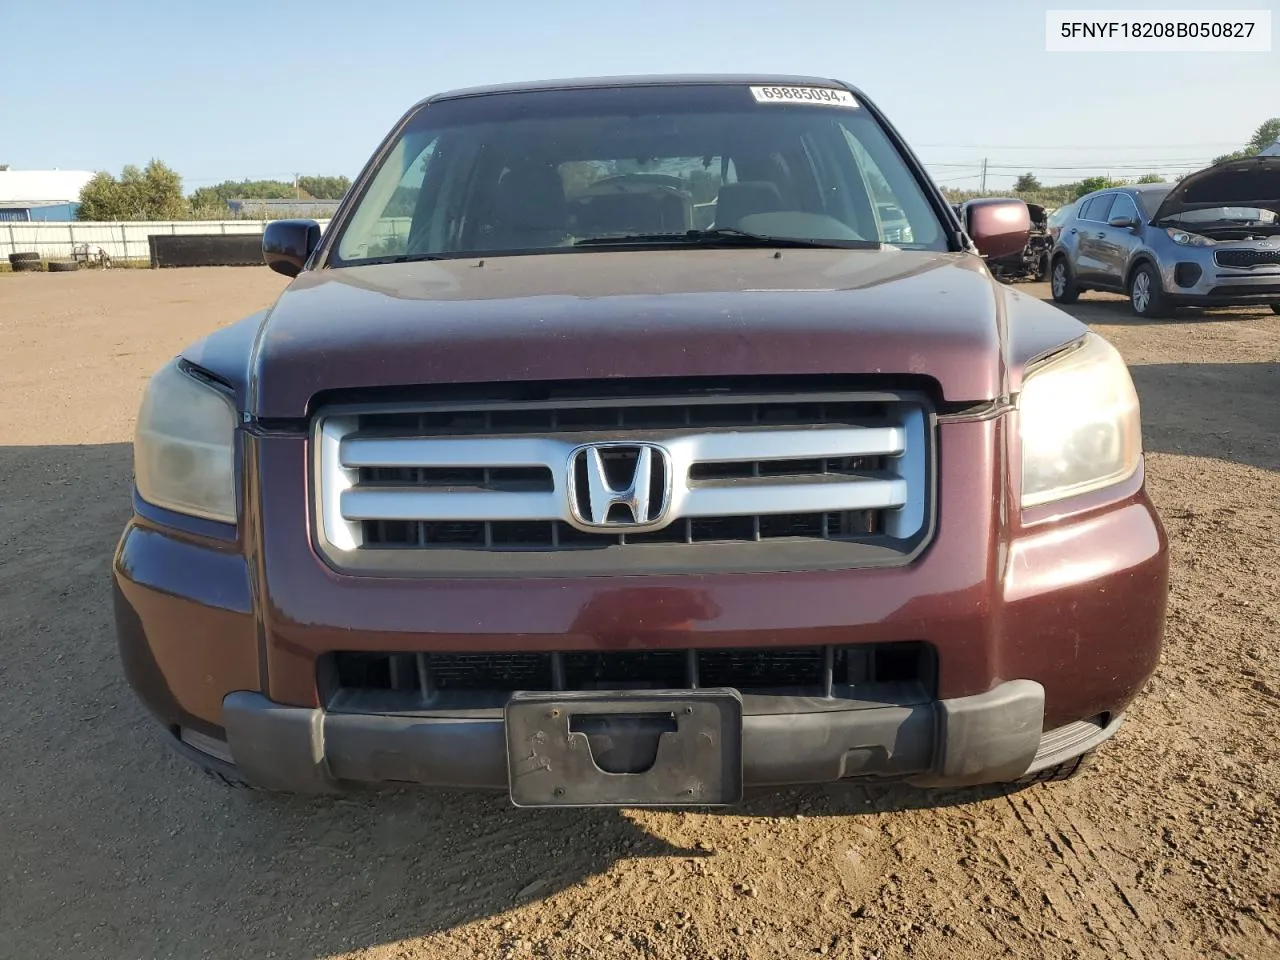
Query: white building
column 41, row 194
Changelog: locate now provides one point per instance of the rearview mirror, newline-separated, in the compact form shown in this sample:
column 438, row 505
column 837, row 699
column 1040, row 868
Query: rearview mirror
column 1124, row 223
column 998, row 227
column 288, row 244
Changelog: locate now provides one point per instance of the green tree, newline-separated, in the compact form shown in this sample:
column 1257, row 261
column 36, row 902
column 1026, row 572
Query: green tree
column 207, row 201
column 1267, row 133
column 324, row 188
column 1090, row 184
column 212, row 200
column 151, row 193
column 1026, row 183
column 102, row 199
column 1150, row 178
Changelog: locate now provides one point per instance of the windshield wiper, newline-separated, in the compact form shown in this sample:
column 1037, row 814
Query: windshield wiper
column 724, row 236
column 395, row 258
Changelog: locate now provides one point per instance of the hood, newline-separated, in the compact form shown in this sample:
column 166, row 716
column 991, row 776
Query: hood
column 615, row 314
column 1251, row 182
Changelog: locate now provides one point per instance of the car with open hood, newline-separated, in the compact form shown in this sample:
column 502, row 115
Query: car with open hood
column 642, row 441
column 1211, row 239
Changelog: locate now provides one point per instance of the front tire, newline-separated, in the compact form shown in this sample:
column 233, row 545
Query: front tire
column 1062, row 282
column 1146, row 295
column 1067, row 770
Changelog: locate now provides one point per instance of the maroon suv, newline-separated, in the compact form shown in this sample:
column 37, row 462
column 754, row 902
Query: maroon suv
column 608, row 448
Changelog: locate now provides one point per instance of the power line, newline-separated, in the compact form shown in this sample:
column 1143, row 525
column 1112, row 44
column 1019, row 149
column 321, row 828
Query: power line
column 1137, row 146
column 1077, row 163
column 1146, row 167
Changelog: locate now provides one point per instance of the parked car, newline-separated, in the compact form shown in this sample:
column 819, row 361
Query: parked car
column 564, row 504
column 1032, row 261
column 1053, row 226
column 1212, row 239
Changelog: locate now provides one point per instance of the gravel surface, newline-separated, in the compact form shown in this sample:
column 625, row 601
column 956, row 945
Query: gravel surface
column 111, row 847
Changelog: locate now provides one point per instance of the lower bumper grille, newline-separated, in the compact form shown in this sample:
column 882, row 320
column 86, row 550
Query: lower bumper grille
column 1246, row 290
column 406, row 681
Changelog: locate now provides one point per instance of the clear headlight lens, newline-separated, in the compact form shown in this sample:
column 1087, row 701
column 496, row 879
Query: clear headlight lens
column 1079, row 424
column 184, row 447
column 1188, row 239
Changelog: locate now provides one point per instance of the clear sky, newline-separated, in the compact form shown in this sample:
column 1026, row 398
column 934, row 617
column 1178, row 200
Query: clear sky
column 270, row 88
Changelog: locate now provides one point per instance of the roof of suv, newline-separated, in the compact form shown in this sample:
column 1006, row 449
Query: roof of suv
column 649, row 80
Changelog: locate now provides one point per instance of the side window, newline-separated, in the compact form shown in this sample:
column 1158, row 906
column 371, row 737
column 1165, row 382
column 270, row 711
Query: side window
column 386, row 213
column 894, row 224
column 1124, row 207
column 1098, row 208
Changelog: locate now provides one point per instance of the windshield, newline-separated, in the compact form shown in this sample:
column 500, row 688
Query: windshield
column 538, row 171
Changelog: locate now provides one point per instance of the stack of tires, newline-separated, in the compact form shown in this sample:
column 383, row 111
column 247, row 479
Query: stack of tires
column 25, row 262
column 31, row 262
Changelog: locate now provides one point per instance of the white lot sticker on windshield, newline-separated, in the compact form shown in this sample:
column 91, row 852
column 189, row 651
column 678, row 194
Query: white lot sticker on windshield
column 822, row 96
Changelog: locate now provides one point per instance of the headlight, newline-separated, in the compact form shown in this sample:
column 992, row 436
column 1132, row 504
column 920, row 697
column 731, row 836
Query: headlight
column 1185, row 239
column 1079, row 424
column 184, row 447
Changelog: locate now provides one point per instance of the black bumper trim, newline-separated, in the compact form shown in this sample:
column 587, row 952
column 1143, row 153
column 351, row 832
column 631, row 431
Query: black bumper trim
column 988, row 738
column 1224, row 300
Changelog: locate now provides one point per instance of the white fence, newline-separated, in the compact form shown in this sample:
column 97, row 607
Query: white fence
column 122, row 241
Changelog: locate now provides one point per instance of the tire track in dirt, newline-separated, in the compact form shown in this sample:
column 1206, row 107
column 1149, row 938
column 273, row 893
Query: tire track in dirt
column 114, row 849
column 1089, row 876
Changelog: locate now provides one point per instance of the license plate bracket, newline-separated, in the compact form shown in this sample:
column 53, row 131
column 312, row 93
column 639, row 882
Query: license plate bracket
column 588, row 748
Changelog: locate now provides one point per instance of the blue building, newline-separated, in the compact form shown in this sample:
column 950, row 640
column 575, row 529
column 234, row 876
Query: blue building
column 41, row 195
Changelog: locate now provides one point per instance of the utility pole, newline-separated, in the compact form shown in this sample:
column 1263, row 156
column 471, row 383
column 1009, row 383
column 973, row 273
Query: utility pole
column 983, row 188
column 297, row 194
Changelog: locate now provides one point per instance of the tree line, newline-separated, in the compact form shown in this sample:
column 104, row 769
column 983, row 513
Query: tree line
column 1028, row 187
column 154, row 192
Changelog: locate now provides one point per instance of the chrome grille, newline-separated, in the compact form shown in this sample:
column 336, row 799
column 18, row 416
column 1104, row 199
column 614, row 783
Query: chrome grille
column 749, row 472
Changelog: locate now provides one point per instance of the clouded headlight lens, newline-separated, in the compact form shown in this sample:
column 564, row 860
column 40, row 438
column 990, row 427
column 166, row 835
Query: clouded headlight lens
column 1079, row 424
column 184, row 447
column 1185, row 239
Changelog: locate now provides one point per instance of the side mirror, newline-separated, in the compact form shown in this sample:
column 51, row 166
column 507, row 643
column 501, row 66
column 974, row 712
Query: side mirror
column 998, row 228
column 1124, row 223
column 287, row 244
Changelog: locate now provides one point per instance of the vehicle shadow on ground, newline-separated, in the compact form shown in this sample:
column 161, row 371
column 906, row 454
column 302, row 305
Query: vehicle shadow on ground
column 1227, row 411
column 1115, row 311
column 149, row 857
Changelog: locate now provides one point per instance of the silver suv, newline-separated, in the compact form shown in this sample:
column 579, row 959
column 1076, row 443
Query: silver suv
column 1212, row 239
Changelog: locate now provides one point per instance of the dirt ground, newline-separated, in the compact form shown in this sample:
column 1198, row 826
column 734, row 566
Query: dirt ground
column 111, row 847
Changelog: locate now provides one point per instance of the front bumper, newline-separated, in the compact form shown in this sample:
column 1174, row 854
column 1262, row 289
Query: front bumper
column 992, row 737
column 1221, row 287
column 1069, row 599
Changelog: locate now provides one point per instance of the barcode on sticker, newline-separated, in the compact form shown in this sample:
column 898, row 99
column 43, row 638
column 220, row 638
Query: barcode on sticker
column 822, row 96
